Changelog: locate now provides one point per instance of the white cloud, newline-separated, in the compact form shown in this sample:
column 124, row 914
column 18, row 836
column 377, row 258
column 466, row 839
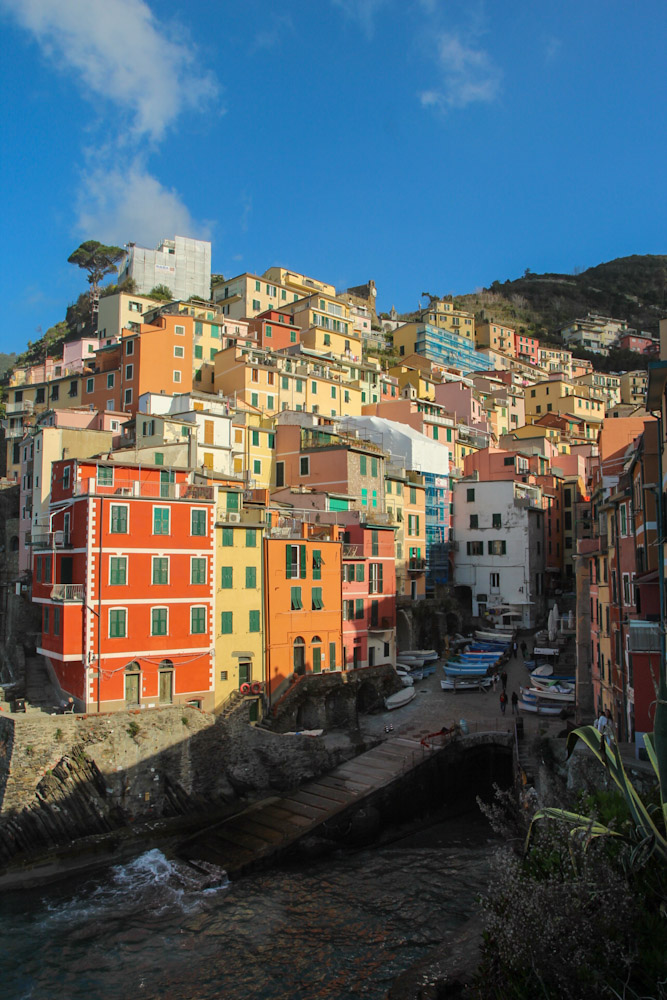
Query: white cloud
column 467, row 75
column 118, row 205
column 121, row 54
column 361, row 11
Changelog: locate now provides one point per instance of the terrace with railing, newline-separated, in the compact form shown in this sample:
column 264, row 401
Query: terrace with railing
column 150, row 489
column 67, row 592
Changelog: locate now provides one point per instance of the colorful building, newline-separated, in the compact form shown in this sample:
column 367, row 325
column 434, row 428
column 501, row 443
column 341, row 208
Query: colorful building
column 368, row 596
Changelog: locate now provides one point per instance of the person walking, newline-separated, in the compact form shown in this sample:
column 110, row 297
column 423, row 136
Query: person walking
column 503, row 701
column 503, row 678
column 524, row 649
column 495, row 680
column 515, row 648
column 515, row 703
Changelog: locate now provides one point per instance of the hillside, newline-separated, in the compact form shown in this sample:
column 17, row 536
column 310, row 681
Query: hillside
column 631, row 288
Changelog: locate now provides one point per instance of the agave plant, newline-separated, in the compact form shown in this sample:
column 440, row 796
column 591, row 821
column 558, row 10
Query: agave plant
column 647, row 838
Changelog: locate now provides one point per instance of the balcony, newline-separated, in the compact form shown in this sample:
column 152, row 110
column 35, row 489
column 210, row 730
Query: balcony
column 13, row 432
column 149, row 489
column 67, row 592
column 352, row 551
column 416, row 565
column 25, row 407
column 380, row 624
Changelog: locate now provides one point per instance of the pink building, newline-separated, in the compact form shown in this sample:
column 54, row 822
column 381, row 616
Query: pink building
column 463, row 401
column 526, row 348
column 369, row 596
column 638, row 342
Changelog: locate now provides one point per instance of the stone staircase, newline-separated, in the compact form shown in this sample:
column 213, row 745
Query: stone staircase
column 39, row 691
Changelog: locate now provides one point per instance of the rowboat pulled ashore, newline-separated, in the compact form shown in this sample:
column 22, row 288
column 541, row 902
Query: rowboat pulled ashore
column 465, row 684
column 400, row 698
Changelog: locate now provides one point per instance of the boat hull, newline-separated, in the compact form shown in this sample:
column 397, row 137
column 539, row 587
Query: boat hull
column 463, row 684
column 399, row 699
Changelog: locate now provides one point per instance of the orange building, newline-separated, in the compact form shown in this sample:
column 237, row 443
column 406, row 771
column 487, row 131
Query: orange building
column 274, row 331
column 302, row 595
column 125, row 580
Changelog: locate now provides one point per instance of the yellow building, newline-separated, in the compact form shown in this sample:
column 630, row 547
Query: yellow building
column 633, row 387
column 271, row 383
column 563, row 397
column 296, row 283
column 253, row 444
column 239, row 625
column 422, row 378
column 27, row 401
column 326, row 325
column 442, row 314
column 122, row 311
column 247, row 295
column 496, row 336
column 608, row 384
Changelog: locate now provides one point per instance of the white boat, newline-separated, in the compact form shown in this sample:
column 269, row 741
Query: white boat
column 399, row 699
column 548, row 684
column 411, row 659
column 494, row 636
column 425, row 654
column 465, row 684
column 406, row 679
column 548, row 695
column 540, row 708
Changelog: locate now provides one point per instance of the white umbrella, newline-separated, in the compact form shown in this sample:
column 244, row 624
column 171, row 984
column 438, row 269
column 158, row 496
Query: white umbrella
column 556, row 613
column 551, row 625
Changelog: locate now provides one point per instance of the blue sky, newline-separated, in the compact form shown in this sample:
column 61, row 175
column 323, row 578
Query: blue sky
column 428, row 144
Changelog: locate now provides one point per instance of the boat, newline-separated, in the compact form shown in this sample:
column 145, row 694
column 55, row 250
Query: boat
column 411, row 659
column 425, row 654
column 547, row 684
column 466, row 684
column 540, row 708
column 406, row 679
column 400, row 698
column 470, row 672
column 552, row 694
column 544, row 674
column 494, row 636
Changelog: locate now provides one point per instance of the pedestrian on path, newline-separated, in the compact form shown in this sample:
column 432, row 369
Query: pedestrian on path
column 503, row 678
column 524, row 649
column 515, row 648
column 503, row 701
column 515, row 703
column 495, row 680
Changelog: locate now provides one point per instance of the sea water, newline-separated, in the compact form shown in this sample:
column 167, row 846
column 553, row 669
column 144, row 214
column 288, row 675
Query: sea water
column 341, row 927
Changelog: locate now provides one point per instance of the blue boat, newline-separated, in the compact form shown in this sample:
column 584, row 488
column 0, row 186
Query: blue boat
column 454, row 671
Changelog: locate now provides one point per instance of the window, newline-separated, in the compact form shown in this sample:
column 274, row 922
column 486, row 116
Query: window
column 253, row 621
column 226, row 623
column 295, row 599
column 624, row 523
column 316, row 596
column 304, row 465
column 295, row 562
column 413, row 524
column 127, row 397
column 118, row 570
column 55, row 389
column 227, row 537
column 197, row 522
column 90, row 386
column 470, row 496
column 118, row 519
column 494, row 581
column 159, row 621
column 497, row 521
column 110, row 380
column 104, row 475
column 179, row 352
column 474, row 521
column 475, row 548
column 375, row 578
column 197, row 570
column 317, row 564
column 160, row 520
column 363, row 463
column 348, row 611
column 257, row 467
column 498, row 548
column 199, row 351
column 359, row 572
column 117, row 623
column 46, row 619
column 66, row 474
column 177, row 376
column 129, row 347
column 359, row 608
column 160, row 573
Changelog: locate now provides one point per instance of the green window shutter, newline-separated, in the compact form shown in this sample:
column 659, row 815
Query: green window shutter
column 270, row 405
column 359, row 608
column 160, row 570
column 317, row 564
column 332, row 656
column 380, row 590
column 317, row 659
column 227, row 577
column 228, row 537
column 413, row 495
column 250, row 538
column 250, row 577
column 254, row 399
column 374, row 465
column 119, row 520
column 117, row 623
column 285, row 382
column 316, row 599
column 212, row 352
column 364, row 498
column 271, row 438
column 362, row 465
column 302, row 562
column 295, row 599
column 160, row 520
column 232, row 501
column 198, row 571
column 158, row 621
column 197, row 621
column 288, row 562
column 199, row 351
column 333, row 391
column 226, row 623
column 159, row 458
column 198, row 522
column 199, row 328
column 253, row 621
column 375, row 543
column 215, row 331
column 118, row 574
column 292, row 336
column 255, row 439
column 198, row 375
column 299, row 385
column 360, row 572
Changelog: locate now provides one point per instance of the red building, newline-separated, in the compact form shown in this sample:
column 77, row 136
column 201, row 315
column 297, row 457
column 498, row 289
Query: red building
column 369, row 596
column 125, row 579
column 274, row 330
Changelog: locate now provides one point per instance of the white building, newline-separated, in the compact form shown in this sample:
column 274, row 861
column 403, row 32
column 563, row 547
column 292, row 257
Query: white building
column 499, row 549
column 182, row 264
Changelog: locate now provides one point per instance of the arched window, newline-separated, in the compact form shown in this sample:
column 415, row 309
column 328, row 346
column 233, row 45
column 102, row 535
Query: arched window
column 299, row 655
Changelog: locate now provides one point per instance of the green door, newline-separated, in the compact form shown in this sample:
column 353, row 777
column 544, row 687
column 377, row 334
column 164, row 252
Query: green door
column 166, row 479
column 317, row 659
column 166, row 687
column 132, row 689
column 244, row 672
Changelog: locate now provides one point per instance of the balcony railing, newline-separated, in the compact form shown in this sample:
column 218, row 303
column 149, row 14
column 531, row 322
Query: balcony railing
column 39, row 539
column 379, row 625
column 67, row 592
column 27, row 406
column 352, row 551
column 416, row 565
column 151, row 489
column 14, row 432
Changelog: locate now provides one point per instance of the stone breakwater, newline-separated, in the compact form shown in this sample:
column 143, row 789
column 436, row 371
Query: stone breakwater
column 63, row 778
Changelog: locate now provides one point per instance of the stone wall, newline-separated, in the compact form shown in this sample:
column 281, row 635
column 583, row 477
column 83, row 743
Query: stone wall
column 67, row 777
